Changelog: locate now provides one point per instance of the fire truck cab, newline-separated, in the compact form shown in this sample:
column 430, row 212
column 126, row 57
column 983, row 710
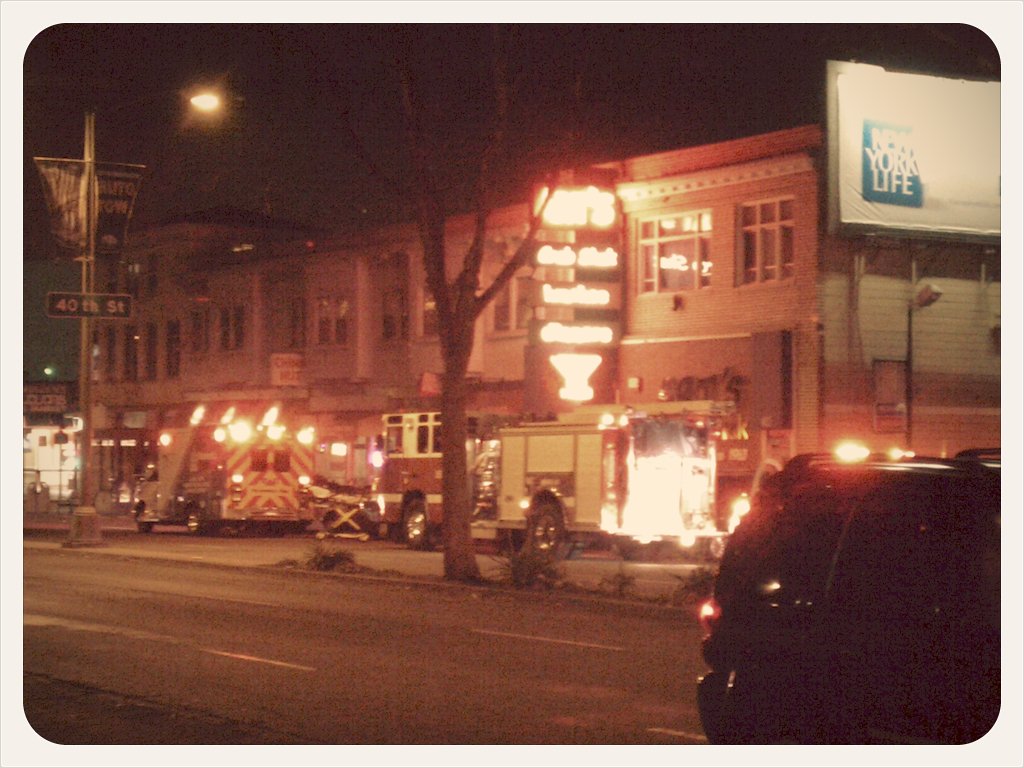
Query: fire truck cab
column 230, row 474
column 409, row 486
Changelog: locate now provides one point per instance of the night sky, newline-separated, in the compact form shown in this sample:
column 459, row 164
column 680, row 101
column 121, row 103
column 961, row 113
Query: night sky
column 581, row 93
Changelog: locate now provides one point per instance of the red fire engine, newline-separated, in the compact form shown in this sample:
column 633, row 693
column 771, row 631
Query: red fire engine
column 623, row 475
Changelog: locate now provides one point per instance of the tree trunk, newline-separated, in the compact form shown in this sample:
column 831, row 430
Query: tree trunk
column 459, row 552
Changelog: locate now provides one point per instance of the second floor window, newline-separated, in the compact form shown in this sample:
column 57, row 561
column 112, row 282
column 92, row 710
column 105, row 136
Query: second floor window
column 766, row 241
column 131, row 353
column 429, row 314
column 513, row 305
column 393, row 283
column 109, row 353
column 199, row 329
column 675, row 253
column 151, row 351
column 173, row 352
column 296, row 330
column 232, row 327
column 332, row 320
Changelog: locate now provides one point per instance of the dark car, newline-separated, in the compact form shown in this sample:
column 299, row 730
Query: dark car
column 859, row 603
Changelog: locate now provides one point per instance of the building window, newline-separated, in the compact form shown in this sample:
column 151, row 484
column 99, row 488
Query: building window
column 133, row 277
column 675, row 252
column 151, row 351
column 150, row 276
column 296, row 328
column 503, row 308
column 394, row 277
column 429, row 314
column 173, row 348
column 513, row 305
column 131, row 353
column 110, row 353
column 199, row 329
column 232, row 327
column 332, row 320
column 766, row 241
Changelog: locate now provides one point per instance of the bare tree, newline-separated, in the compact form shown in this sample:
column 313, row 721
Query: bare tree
column 456, row 287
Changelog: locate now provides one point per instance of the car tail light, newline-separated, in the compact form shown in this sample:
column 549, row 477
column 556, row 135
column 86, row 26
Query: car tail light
column 710, row 613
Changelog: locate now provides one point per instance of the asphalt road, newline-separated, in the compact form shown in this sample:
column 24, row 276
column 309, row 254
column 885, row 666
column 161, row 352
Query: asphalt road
column 171, row 639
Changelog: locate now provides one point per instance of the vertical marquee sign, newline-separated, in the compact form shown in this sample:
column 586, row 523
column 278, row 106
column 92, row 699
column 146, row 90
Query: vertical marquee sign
column 578, row 279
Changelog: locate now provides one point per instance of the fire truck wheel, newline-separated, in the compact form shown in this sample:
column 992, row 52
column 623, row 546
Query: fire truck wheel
column 545, row 530
column 417, row 533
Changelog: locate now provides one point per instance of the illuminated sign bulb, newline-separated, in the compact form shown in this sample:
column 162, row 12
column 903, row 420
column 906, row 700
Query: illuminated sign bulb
column 580, row 207
column 576, row 369
column 578, row 294
column 559, row 333
column 589, row 256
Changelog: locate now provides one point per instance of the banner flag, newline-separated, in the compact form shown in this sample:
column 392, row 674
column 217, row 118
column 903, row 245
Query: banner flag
column 65, row 183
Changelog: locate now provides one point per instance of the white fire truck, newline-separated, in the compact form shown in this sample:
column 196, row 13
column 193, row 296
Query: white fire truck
column 231, row 473
column 624, row 475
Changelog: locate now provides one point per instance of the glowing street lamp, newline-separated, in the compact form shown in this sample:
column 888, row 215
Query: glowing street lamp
column 205, row 102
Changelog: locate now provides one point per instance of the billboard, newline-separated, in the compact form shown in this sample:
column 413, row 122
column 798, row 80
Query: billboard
column 912, row 154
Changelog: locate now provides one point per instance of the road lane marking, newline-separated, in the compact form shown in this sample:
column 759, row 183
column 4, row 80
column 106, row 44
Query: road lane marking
column 258, row 659
column 681, row 734
column 549, row 640
column 38, row 620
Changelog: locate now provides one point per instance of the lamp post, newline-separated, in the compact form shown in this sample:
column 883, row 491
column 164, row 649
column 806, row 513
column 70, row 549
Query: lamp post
column 85, row 524
column 925, row 297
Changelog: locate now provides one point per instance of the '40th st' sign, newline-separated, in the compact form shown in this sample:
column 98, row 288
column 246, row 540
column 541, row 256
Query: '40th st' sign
column 110, row 306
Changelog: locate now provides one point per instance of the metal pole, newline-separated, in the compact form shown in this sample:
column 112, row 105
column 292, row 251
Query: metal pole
column 909, row 375
column 85, row 524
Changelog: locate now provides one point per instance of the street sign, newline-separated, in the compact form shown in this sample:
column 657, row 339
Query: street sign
column 111, row 306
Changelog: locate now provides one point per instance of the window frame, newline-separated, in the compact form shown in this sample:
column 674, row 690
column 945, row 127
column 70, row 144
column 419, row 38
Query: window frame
column 332, row 320
column 764, row 233
column 651, row 274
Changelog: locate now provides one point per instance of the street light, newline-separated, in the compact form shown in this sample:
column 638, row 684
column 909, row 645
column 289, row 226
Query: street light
column 925, row 297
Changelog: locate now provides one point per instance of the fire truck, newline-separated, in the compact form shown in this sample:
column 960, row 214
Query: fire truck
column 230, row 472
column 616, row 475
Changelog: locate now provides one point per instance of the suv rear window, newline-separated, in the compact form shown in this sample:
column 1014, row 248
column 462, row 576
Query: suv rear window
column 922, row 542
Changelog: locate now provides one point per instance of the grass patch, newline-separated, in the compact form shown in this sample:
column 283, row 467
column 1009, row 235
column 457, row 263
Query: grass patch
column 619, row 583
column 329, row 556
column 530, row 569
